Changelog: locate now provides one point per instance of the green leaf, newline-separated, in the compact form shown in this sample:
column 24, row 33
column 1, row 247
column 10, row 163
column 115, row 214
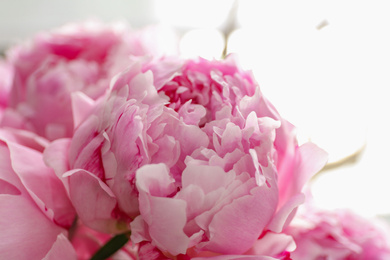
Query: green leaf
column 113, row 245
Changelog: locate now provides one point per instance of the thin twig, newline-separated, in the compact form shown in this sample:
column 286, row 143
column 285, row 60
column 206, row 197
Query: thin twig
column 229, row 26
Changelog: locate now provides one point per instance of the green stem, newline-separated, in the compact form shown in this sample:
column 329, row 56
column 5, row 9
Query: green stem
column 113, row 245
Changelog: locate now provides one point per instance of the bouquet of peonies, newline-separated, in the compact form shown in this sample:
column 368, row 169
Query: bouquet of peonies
column 113, row 147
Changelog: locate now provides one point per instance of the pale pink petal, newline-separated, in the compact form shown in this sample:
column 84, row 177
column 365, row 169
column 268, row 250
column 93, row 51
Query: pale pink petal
column 164, row 70
column 56, row 157
column 165, row 226
column 139, row 230
column 154, row 179
column 26, row 232
column 93, row 201
column 24, row 138
column 82, row 105
column 192, row 114
column 42, row 184
column 283, row 215
column 8, row 188
column 61, row 249
column 309, row 160
column 10, row 182
column 208, row 178
column 313, row 159
column 272, row 244
column 236, row 226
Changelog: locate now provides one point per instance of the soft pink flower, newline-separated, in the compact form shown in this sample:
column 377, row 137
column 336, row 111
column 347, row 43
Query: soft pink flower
column 77, row 57
column 191, row 154
column 247, row 180
column 35, row 210
column 131, row 128
column 216, row 92
column 339, row 234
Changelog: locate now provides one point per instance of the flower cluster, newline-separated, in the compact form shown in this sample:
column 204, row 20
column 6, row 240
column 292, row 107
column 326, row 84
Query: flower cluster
column 109, row 141
column 339, row 234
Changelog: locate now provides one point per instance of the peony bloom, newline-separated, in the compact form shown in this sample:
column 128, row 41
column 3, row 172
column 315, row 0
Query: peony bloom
column 77, row 57
column 131, row 128
column 191, row 155
column 247, row 180
column 35, row 209
column 339, row 234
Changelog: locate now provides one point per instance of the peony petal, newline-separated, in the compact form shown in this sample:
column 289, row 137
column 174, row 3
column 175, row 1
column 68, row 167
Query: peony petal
column 26, row 232
column 164, row 70
column 308, row 160
column 42, row 184
column 139, row 230
column 56, row 157
column 313, row 159
column 93, row 201
column 154, row 179
column 282, row 215
column 82, row 105
column 61, row 249
column 236, row 226
column 209, row 178
column 8, row 188
column 25, row 138
column 166, row 217
column 272, row 244
column 10, row 182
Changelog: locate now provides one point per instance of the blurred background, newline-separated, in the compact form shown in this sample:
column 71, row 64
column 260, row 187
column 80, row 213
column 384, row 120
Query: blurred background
column 324, row 64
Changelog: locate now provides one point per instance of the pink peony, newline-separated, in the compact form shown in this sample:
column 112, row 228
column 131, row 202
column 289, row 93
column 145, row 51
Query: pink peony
column 77, row 57
column 35, row 209
column 191, row 154
column 339, row 234
column 132, row 127
column 247, row 180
